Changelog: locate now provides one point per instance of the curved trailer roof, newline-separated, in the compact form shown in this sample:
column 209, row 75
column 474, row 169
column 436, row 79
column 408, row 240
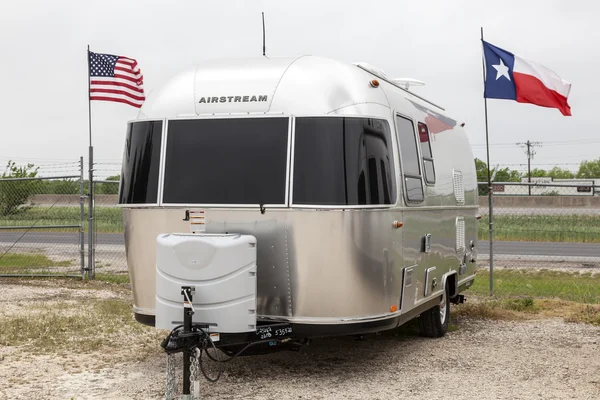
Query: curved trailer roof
column 305, row 85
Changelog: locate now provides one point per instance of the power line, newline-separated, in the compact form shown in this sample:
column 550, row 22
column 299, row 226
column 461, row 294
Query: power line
column 530, row 153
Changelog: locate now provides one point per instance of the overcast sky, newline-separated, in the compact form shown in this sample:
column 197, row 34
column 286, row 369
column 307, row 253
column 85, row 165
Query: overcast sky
column 43, row 70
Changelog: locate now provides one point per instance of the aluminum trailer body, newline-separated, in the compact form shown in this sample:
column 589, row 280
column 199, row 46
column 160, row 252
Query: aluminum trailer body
column 362, row 195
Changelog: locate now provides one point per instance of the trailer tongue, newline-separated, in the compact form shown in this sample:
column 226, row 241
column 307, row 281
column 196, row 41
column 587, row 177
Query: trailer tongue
column 206, row 291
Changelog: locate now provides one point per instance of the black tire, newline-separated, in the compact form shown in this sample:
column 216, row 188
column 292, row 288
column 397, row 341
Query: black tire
column 431, row 323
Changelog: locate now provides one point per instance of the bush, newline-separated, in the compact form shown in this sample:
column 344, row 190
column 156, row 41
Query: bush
column 13, row 194
column 108, row 188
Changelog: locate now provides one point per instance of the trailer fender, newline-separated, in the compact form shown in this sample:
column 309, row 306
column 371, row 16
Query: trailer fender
column 451, row 278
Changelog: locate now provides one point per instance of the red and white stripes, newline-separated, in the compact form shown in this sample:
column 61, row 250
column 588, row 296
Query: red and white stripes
column 125, row 87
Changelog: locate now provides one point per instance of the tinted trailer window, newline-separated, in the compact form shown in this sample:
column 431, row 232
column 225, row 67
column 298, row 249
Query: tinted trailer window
column 141, row 160
column 241, row 161
column 343, row 161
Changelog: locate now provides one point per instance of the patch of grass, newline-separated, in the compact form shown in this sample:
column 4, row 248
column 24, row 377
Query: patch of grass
column 16, row 261
column 82, row 326
column 113, row 278
column 69, row 283
column 490, row 309
column 527, row 308
column 543, row 228
column 523, row 304
column 588, row 313
column 583, row 288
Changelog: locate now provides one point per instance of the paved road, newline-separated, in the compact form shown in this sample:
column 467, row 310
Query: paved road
column 542, row 249
column 512, row 248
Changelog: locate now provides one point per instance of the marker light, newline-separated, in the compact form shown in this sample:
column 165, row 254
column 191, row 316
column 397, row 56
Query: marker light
column 374, row 83
column 397, row 224
column 393, row 308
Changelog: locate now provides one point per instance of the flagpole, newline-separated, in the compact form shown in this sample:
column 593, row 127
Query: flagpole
column 490, row 188
column 91, row 261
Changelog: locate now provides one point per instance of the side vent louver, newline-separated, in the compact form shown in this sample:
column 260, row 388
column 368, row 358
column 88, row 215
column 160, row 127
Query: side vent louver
column 459, row 189
column 460, row 234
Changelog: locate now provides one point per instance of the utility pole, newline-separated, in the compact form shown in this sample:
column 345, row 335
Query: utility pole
column 530, row 152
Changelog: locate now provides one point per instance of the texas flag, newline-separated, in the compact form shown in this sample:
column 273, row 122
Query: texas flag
column 511, row 77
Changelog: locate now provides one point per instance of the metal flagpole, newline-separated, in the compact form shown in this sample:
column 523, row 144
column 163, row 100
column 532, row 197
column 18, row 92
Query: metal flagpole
column 490, row 188
column 91, row 262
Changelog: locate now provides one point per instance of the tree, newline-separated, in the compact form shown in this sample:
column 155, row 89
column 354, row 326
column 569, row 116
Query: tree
column 589, row 169
column 502, row 175
column 109, row 188
column 507, row 175
column 13, row 194
column 59, row 186
column 538, row 173
column 559, row 173
column 481, row 168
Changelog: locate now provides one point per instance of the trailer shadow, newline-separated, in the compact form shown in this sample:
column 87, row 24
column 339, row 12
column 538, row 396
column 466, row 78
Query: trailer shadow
column 346, row 356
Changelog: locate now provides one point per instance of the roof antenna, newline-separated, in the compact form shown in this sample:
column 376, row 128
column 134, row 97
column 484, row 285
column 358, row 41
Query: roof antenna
column 264, row 47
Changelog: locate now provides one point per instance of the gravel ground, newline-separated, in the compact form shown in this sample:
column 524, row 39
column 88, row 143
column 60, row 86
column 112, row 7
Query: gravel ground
column 534, row 359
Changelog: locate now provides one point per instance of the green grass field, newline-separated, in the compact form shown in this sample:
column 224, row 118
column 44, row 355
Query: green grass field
column 33, row 263
column 582, row 288
column 543, row 228
column 108, row 219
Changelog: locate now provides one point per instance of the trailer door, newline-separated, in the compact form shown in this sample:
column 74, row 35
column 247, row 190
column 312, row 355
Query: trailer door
column 417, row 226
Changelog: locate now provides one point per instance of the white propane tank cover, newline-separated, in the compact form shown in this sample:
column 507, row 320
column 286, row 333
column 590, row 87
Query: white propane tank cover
column 221, row 268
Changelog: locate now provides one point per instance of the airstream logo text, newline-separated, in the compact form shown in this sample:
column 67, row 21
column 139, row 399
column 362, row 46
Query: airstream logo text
column 233, row 99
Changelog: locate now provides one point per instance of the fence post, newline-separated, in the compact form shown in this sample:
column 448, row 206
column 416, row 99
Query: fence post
column 91, row 262
column 491, row 221
column 81, row 218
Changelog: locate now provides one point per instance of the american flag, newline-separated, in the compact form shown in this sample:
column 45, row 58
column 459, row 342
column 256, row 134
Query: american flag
column 116, row 78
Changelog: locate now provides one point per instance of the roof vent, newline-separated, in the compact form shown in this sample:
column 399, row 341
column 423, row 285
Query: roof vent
column 408, row 82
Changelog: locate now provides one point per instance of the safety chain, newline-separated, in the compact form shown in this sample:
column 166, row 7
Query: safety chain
column 194, row 368
column 170, row 378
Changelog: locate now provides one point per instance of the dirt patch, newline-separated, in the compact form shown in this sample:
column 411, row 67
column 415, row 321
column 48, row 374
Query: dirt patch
column 479, row 359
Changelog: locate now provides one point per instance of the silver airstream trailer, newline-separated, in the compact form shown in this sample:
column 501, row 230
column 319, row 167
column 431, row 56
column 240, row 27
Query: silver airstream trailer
column 359, row 197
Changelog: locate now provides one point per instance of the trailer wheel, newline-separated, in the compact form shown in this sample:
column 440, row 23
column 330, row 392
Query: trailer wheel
column 434, row 322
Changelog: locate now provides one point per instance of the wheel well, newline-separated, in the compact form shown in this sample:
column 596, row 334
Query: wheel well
column 451, row 281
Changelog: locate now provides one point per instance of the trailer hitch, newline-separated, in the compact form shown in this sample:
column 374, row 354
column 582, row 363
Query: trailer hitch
column 179, row 341
column 193, row 339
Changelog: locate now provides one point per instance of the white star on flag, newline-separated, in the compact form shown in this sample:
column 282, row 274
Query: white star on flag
column 501, row 70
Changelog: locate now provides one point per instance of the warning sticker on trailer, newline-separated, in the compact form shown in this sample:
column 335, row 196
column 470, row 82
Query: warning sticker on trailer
column 197, row 221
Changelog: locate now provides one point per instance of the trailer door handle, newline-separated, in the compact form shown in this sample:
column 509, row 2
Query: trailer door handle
column 426, row 243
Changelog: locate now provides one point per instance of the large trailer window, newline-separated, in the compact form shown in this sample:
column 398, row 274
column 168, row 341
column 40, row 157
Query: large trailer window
column 141, row 158
column 410, row 159
column 226, row 161
column 343, row 161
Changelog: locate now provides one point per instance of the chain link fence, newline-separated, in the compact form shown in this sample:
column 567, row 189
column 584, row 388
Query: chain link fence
column 545, row 241
column 110, row 258
column 545, row 236
column 44, row 226
column 42, row 222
